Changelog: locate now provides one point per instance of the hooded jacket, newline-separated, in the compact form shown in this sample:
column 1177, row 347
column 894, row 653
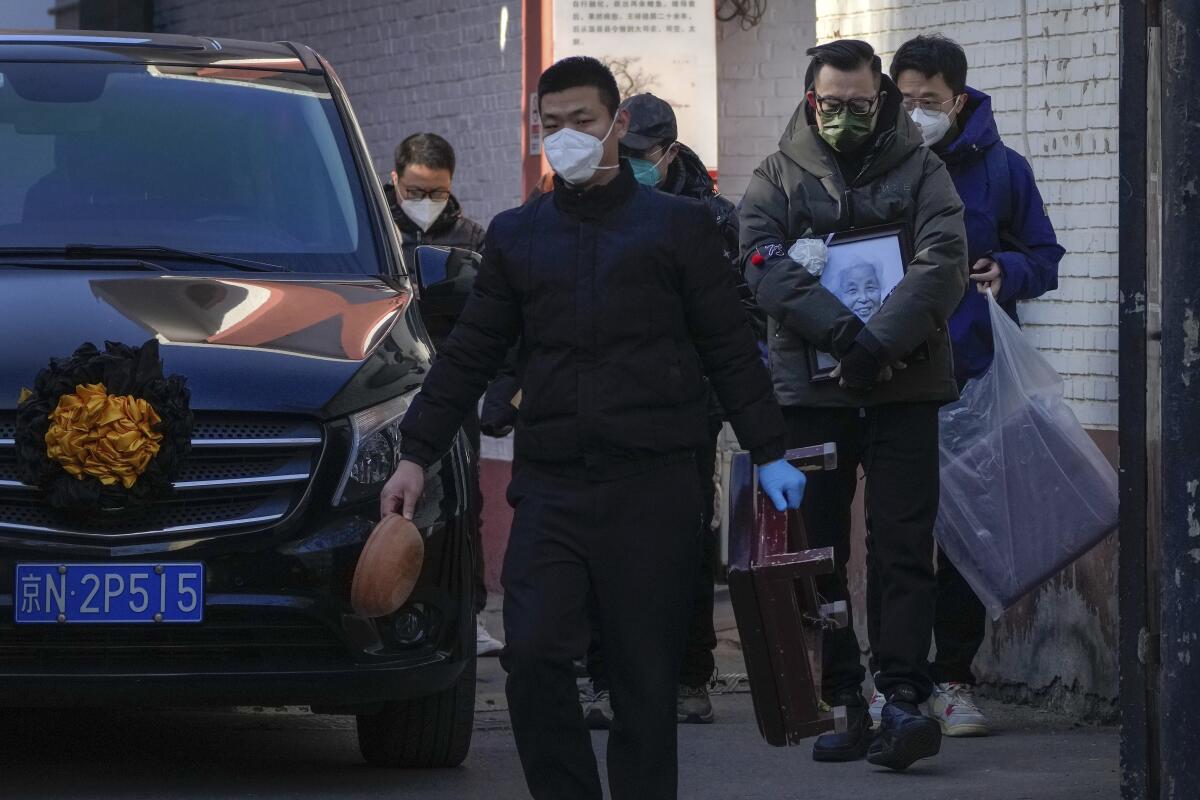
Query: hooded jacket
column 1006, row 221
column 800, row 192
column 623, row 304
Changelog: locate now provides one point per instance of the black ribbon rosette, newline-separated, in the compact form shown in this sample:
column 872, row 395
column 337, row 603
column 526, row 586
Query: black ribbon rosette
column 125, row 389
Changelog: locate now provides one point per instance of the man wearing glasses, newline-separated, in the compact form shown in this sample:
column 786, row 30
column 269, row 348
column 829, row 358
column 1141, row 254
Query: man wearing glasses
column 426, row 212
column 1014, row 253
column 851, row 158
column 424, row 208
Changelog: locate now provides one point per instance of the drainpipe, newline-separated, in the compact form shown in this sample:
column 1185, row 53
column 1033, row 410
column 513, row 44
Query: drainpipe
column 1138, row 608
column 1179, row 565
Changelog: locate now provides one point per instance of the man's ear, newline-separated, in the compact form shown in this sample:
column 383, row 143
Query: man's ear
column 960, row 103
column 810, row 97
column 621, row 125
column 395, row 178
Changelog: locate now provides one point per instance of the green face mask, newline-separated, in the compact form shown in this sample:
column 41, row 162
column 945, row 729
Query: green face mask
column 846, row 132
column 647, row 172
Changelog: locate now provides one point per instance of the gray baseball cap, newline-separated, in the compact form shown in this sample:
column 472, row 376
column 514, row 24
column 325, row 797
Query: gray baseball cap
column 651, row 122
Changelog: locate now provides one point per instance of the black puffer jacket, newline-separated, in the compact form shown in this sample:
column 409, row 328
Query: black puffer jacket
column 688, row 177
column 804, row 191
column 622, row 303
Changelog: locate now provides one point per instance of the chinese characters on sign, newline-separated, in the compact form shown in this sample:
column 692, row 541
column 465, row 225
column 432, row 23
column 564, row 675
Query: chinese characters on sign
column 667, row 47
column 535, row 126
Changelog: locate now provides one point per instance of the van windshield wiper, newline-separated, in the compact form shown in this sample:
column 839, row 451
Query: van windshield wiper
column 55, row 258
column 139, row 253
column 150, row 251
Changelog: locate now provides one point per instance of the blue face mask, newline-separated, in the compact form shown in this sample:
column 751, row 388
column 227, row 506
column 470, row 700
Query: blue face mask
column 646, row 171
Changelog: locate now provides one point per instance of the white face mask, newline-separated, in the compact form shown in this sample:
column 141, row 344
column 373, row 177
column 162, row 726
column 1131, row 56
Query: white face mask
column 423, row 212
column 574, row 155
column 934, row 125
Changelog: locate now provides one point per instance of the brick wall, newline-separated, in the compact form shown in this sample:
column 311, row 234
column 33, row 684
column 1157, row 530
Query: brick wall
column 409, row 66
column 760, row 83
column 1052, row 67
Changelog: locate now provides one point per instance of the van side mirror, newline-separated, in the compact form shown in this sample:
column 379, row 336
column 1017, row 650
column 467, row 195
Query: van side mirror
column 445, row 276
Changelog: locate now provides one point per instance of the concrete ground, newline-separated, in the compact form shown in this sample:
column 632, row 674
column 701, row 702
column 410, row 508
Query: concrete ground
column 286, row 753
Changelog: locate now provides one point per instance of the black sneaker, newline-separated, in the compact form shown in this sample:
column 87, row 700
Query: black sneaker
column 905, row 735
column 851, row 745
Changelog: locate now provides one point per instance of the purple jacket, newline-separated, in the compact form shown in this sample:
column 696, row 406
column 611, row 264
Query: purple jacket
column 1006, row 220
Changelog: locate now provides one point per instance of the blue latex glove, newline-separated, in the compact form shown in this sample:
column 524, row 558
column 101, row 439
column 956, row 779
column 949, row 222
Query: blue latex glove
column 783, row 483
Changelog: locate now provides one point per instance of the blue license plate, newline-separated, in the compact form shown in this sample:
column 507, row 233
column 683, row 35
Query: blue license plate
column 108, row 593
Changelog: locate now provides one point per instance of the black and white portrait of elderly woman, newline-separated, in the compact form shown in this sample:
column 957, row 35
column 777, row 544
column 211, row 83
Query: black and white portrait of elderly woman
column 862, row 273
column 861, row 289
column 862, row 270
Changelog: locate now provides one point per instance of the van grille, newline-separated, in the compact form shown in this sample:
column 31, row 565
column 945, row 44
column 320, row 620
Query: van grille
column 243, row 471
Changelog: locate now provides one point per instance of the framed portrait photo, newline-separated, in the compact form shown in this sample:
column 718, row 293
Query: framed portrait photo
column 864, row 266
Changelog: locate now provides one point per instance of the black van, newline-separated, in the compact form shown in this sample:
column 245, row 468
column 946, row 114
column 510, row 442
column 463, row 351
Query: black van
column 216, row 197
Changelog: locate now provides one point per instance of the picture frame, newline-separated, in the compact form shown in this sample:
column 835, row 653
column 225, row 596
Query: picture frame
column 865, row 265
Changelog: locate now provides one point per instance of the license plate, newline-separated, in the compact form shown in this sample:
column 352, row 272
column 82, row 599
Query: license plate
column 109, row 593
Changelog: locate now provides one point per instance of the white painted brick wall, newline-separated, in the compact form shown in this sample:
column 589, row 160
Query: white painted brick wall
column 761, row 80
column 409, row 66
column 1053, row 75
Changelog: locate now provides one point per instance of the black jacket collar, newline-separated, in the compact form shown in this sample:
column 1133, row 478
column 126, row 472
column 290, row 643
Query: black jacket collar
column 687, row 175
column 597, row 201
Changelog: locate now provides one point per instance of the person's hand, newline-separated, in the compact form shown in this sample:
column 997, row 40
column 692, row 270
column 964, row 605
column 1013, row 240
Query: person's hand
column 987, row 275
column 859, row 370
column 885, row 374
column 402, row 490
column 783, row 483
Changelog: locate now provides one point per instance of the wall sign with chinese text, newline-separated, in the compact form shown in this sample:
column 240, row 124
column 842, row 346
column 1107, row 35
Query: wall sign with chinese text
column 667, row 47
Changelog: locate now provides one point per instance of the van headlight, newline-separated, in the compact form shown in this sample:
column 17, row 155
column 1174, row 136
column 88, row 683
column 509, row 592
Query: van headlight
column 374, row 450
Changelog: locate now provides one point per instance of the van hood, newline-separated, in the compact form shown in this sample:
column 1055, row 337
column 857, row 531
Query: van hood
column 284, row 343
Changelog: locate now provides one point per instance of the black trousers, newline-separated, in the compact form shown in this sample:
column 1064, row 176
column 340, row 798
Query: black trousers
column 959, row 623
column 630, row 547
column 897, row 447
column 698, row 661
column 471, row 429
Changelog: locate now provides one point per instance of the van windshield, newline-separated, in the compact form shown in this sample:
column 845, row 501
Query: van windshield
column 245, row 163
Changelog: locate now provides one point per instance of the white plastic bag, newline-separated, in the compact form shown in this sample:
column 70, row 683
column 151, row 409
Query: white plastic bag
column 812, row 254
column 1024, row 491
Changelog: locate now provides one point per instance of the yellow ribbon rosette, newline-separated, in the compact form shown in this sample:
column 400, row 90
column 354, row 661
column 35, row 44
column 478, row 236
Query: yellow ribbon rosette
column 110, row 437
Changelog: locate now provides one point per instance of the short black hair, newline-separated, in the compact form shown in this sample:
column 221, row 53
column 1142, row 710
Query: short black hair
column 425, row 150
column 932, row 55
column 844, row 55
column 581, row 71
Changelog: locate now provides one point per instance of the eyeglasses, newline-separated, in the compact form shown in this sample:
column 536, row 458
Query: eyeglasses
column 655, row 153
column 913, row 103
column 858, row 106
column 413, row 193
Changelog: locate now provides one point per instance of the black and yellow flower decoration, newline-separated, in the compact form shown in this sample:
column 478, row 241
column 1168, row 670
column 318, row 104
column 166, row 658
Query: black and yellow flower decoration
column 104, row 429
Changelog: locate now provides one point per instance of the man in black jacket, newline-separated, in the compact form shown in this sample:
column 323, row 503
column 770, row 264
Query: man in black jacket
column 422, row 202
column 851, row 158
column 427, row 212
column 622, row 304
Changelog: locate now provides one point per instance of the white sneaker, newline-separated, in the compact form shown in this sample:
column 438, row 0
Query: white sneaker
column 878, row 701
column 953, row 706
column 485, row 643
